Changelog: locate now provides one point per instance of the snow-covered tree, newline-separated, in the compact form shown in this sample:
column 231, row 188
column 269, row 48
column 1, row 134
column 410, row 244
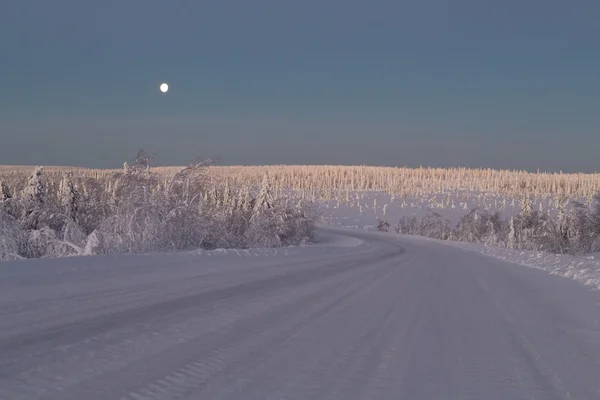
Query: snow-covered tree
column 69, row 196
column 383, row 226
column 512, row 235
column 12, row 237
column 5, row 193
column 264, row 200
column 435, row 226
column 35, row 190
column 526, row 206
column 244, row 200
column 227, row 194
column 562, row 219
column 34, row 198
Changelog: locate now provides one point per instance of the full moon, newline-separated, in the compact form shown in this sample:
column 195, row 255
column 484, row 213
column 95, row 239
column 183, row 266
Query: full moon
column 164, row 87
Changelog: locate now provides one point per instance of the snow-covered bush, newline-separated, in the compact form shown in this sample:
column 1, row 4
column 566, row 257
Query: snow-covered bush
column 273, row 223
column 435, row 226
column 33, row 199
column 383, row 226
column 135, row 210
column 12, row 237
column 5, row 193
column 583, row 227
column 481, row 227
column 408, row 226
column 573, row 232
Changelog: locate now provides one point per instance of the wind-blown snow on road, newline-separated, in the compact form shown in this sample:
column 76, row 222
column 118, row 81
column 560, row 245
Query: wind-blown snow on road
column 360, row 316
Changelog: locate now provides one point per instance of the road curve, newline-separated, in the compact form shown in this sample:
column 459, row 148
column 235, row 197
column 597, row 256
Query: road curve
column 387, row 317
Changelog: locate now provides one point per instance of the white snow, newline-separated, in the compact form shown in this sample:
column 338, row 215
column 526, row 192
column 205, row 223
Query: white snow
column 359, row 316
column 583, row 269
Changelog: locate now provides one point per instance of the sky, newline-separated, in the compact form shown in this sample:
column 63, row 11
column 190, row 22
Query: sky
column 500, row 84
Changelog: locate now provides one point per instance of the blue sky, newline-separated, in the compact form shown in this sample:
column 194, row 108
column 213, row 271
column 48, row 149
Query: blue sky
column 503, row 84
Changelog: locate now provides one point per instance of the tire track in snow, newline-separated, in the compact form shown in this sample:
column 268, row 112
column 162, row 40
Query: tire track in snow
column 340, row 323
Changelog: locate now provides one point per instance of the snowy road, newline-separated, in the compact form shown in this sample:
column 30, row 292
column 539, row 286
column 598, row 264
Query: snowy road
column 390, row 318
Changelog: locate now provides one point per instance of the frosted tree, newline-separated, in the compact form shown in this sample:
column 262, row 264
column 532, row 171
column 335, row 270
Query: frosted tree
column 561, row 219
column 526, row 206
column 213, row 197
column 512, row 235
column 68, row 196
column 227, row 194
column 244, row 201
column 142, row 162
column 35, row 190
column 383, row 226
column 11, row 237
column 264, row 199
column 34, row 197
column 5, row 193
column 492, row 236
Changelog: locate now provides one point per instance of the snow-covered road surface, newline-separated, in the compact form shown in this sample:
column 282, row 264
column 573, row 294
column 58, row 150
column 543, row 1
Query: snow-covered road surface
column 375, row 317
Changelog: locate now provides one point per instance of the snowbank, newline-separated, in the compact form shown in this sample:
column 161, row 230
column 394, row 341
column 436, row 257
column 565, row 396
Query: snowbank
column 584, row 269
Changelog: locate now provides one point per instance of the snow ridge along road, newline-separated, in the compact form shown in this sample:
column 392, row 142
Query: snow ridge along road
column 359, row 316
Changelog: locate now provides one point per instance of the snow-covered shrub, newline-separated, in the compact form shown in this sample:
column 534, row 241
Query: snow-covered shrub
column 5, row 192
column 383, row 226
column 574, row 232
column 408, row 226
column 531, row 230
column 583, row 227
column 69, row 197
column 12, row 237
column 33, row 199
column 94, row 244
column 136, row 210
column 278, row 226
column 481, row 227
column 39, row 243
column 94, row 203
column 435, row 226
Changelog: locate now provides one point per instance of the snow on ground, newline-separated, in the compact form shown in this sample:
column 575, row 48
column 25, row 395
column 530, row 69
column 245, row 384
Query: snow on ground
column 362, row 209
column 365, row 208
column 368, row 316
column 584, row 269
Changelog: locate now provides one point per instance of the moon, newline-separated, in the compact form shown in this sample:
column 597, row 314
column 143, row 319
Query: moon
column 164, row 87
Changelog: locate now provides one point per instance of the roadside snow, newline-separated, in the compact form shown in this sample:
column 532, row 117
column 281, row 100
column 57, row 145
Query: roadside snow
column 583, row 269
